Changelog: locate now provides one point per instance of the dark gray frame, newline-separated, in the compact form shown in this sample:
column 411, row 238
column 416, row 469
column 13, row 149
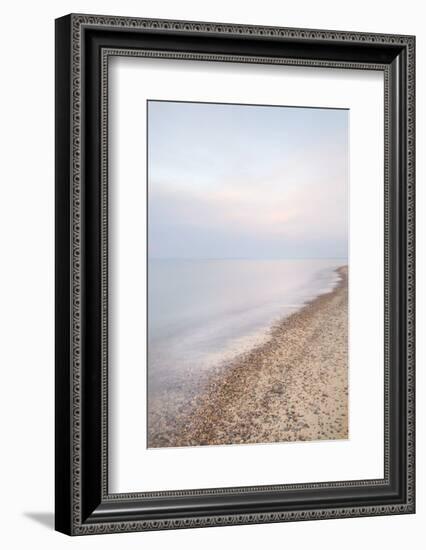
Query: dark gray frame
column 84, row 44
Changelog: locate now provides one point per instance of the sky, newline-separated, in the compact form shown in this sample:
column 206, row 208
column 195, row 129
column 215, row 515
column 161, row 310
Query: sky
column 246, row 181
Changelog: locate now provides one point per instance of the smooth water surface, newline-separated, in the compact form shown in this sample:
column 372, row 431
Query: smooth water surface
column 203, row 312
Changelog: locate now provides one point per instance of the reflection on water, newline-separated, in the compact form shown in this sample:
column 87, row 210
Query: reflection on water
column 201, row 312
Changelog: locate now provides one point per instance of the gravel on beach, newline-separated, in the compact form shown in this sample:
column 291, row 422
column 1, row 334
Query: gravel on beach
column 294, row 387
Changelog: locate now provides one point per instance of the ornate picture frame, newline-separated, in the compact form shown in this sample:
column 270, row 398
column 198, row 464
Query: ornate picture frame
column 84, row 45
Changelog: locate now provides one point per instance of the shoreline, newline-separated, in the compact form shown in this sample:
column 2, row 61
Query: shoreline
column 293, row 387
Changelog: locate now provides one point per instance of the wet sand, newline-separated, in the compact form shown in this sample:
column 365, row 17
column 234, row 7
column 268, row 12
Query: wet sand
column 294, row 387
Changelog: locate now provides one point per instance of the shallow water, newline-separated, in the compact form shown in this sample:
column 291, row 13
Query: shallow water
column 203, row 312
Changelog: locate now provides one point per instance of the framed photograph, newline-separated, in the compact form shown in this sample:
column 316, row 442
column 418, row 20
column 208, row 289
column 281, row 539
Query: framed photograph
column 234, row 274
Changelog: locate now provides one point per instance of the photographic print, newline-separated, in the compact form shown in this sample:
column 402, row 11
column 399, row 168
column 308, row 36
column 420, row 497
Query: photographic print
column 221, row 191
column 247, row 274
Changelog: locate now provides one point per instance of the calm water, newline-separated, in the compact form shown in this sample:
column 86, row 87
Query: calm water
column 202, row 312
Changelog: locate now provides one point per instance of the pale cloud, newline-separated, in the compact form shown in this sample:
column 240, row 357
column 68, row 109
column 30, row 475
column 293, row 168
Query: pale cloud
column 223, row 190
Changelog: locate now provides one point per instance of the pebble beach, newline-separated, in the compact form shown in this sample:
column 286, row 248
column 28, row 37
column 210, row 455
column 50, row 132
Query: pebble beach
column 293, row 387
